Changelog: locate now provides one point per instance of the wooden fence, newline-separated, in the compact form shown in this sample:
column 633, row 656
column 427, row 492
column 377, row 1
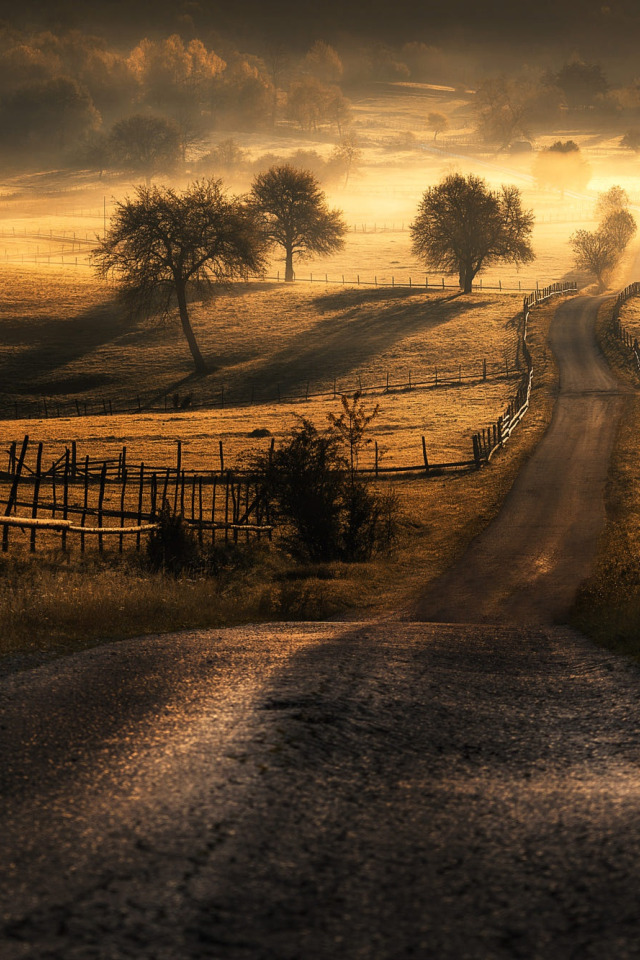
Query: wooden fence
column 491, row 438
column 631, row 342
column 46, row 408
column 123, row 501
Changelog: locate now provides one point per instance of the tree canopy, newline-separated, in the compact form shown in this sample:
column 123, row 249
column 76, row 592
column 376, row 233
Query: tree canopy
column 599, row 251
column 562, row 166
column 462, row 227
column 161, row 243
column 297, row 215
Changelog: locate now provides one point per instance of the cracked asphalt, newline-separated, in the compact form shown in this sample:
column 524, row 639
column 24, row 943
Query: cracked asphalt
column 357, row 791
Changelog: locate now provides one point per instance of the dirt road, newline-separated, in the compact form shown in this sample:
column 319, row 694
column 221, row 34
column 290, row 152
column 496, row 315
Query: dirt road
column 527, row 565
column 372, row 791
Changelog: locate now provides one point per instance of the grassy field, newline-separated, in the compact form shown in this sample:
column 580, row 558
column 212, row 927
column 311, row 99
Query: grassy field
column 58, row 603
column 630, row 316
column 68, row 341
column 66, row 337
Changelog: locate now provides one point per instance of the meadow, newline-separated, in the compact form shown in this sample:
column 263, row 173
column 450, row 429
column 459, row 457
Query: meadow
column 349, row 322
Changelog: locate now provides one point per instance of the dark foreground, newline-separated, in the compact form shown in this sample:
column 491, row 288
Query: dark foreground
column 323, row 791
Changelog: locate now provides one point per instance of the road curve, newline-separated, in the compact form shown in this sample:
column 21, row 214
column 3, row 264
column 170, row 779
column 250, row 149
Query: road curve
column 360, row 791
column 528, row 564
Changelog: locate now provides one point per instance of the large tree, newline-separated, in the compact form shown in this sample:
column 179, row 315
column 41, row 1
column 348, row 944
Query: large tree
column 161, row 243
column 297, row 215
column 144, row 144
column 463, row 226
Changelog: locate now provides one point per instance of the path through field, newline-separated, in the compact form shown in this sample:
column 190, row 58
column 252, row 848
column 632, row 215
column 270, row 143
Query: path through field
column 368, row 791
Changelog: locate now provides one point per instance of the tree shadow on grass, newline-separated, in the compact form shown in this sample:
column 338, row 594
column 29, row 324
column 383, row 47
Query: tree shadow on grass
column 56, row 342
column 338, row 345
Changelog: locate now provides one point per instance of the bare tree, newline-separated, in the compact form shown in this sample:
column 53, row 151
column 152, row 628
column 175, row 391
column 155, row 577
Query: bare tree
column 438, row 122
column 595, row 252
column 161, row 244
column 611, row 201
column 620, row 226
column 462, row 226
column 297, row 216
column 599, row 251
column 346, row 155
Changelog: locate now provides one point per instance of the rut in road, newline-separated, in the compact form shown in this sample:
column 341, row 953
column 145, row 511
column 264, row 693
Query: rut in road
column 527, row 565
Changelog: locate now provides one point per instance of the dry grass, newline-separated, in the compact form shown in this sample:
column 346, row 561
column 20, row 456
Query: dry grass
column 630, row 317
column 58, row 604
column 62, row 344
column 608, row 605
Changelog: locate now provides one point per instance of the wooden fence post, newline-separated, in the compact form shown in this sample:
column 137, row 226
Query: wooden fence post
column 154, row 497
column 13, row 493
column 103, row 480
column 36, row 494
column 140, row 495
column 85, row 506
column 226, row 510
column 65, row 496
column 476, row 450
column 424, row 455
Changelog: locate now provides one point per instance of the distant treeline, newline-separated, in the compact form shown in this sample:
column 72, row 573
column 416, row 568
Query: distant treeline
column 76, row 99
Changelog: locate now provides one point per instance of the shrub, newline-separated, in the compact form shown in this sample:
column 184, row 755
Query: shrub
column 332, row 513
column 172, row 547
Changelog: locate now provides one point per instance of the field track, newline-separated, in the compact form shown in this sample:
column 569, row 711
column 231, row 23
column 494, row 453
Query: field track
column 342, row 791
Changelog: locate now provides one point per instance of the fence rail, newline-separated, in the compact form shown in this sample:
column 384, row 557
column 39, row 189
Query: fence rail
column 228, row 506
column 216, row 502
column 631, row 342
column 493, row 437
column 46, row 408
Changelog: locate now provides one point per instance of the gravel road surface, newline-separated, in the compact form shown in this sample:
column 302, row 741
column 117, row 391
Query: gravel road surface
column 357, row 791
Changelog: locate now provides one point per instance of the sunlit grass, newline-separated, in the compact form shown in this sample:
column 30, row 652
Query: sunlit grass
column 608, row 604
column 50, row 605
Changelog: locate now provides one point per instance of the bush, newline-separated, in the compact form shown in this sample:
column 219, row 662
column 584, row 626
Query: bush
column 172, row 547
column 313, row 488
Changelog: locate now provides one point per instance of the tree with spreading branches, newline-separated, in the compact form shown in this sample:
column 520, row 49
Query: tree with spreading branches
column 599, row 251
column 162, row 245
column 462, row 226
column 297, row 216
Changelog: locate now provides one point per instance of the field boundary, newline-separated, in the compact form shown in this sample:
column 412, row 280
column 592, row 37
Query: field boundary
column 171, row 400
column 631, row 342
column 493, row 437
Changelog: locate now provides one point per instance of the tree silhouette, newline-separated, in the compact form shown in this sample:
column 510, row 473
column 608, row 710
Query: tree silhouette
column 599, row 251
column 296, row 213
column 462, row 226
column 438, row 122
column 562, row 166
column 161, row 244
column 144, row 144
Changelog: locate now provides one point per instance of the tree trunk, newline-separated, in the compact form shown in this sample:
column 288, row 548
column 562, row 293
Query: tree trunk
column 467, row 276
column 288, row 270
column 198, row 359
